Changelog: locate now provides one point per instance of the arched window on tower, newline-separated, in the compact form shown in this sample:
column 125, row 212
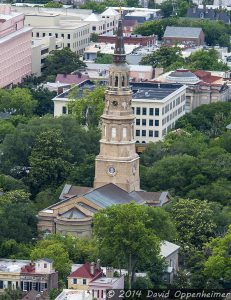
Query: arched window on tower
column 113, row 133
column 116, row 81
column 123, row 81
column 124, row 133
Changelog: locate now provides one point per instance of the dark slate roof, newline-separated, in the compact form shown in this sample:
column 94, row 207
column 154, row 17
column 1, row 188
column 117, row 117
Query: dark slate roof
column 108, row 195
column 182, row 32
column 181, row 74
column 211, row 14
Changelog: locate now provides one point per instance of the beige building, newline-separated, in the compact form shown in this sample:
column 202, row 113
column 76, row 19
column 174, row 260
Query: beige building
column 74, row 32
column 203, row 87
column 41, row 48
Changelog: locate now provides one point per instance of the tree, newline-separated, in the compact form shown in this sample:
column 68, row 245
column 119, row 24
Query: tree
column 18, row 101
column 53, row 4
column 103, row 58
column 194, row 222
column 17, row 219
column 56, row 251
column 10, row 294
column 44, row 99
column 127, row 236
column 89, row 108
column 61, row 61
column 163, row 57
column 206, row 60
column 5, row 128
column 49, row 160
column 218, row 264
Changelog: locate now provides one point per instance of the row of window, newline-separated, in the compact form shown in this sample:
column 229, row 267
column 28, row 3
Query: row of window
column 173, row 115
column 144, row 122
column 144, row 111
column 172, row 104
column 62, row 35
column 75, row 281
column 150, row 133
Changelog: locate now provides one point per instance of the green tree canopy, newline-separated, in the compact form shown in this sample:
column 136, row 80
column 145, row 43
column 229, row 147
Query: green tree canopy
column 129, row 235
column 194, row 222
column 61, row 61
column 104, row 58
column 49, row 160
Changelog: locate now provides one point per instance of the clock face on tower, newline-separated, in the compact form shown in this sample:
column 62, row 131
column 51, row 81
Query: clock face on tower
column 111, row 170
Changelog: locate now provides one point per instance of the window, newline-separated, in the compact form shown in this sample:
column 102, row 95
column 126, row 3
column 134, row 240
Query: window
column 93, row 28
column 151, row 111
column 62, row 35
column 143, row 122
column 74, row 280
column 143, row 132
column 150, row 122
column 150, row 133
column 138, row 110
column 156, row 122
column 45, row 266
column 137, row 121
column 144, row 111
column 64, row 110
column 68, row 45
column 56, row 35
column 68, row 36
column 156, row 133
column 137, row 132
column 37, row 34
column 84, row 281
column 157, row 111
column 44, row 34
column 113, row 132
column 50, row 34
column 124, row 132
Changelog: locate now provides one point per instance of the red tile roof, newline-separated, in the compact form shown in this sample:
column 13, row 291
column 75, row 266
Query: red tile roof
column 206, row 76
column 70, row 78
column 84, row 272
column 28, row 269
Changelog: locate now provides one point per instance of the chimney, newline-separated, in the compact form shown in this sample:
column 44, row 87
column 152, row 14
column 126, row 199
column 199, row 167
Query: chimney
column 109, row 272
column 92, row 268
column 98, row 264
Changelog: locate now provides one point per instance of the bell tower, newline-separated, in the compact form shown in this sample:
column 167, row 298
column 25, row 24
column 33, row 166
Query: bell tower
column 118, row 161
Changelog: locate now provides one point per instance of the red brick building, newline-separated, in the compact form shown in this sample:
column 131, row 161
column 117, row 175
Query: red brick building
column 187, row 36
column 130, row 40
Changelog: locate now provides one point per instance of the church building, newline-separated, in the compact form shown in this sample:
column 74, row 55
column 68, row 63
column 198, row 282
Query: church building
column 117, row 179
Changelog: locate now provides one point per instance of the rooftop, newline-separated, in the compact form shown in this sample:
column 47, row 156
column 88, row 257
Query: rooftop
column 167, row 248
column 182, row 32
column 74, row 295
column 85, row 272
column 12, row 265
column 143, row 90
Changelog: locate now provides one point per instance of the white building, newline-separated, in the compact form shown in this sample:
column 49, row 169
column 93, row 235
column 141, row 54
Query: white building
column 157, row 107
column 41, row 48
column 75, row 33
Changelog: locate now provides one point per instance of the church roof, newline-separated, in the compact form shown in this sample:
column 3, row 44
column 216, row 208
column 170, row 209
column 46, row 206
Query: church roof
column 73, row 213
column 108, row 195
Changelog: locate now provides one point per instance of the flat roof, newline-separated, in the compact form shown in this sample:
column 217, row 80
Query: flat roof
column 12, row 265
column 14, row 34
column 141, row 90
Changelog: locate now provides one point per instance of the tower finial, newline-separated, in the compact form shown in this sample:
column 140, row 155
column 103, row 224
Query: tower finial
column 119, row 53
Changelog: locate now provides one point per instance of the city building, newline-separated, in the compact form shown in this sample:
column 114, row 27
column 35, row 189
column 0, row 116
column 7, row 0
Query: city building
column 70, row 294
column 209, row 12
column 187, row 36
column 170, row 252
column 41, row 48
column 74, row 32
column 101, row 285
column 35, row 295
column 25, row 275
column 39, row 276
column 81, row 277
column 137, row 73
column 135, row 39
column 117, row 178
column 203, row 87
column 15, row 47
column 91, row 52
column 129, row 26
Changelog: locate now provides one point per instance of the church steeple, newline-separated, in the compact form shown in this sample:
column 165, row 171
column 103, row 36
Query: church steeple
column 118, row 161
column 119, row 55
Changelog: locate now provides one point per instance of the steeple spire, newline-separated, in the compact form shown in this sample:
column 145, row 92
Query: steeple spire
column 119, row 53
